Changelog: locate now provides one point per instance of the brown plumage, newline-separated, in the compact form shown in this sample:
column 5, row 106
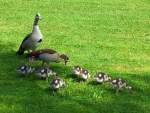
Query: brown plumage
column 48, row 55
column 42, row 51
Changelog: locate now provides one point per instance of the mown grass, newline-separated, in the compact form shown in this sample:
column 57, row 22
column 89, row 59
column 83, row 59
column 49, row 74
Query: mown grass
column 100, row 35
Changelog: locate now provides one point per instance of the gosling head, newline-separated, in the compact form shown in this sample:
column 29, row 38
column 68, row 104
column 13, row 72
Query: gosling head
column 77, row 70
column 85, row 74
column 101, row 77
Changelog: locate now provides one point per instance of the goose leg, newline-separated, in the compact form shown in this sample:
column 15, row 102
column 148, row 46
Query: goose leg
column 53, row 92
column 43, row 63
column 48, row 79
column 117, row 91
column 47, row 63
column 29, row 51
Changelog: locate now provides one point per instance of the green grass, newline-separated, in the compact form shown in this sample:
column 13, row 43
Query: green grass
column 100, row 35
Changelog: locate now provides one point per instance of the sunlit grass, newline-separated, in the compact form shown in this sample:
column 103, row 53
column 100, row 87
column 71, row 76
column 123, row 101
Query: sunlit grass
column 100, row 35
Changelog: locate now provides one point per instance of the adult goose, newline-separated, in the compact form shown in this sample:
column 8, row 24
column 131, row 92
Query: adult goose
column 31, row 41
column 48, row 55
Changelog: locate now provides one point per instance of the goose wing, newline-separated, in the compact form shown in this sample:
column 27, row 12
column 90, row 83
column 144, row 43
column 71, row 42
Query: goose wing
column 49, row 51
column 26, row 38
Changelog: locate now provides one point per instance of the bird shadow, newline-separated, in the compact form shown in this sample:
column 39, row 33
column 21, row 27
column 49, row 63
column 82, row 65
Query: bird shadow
column 27, row 91
column 94, row 83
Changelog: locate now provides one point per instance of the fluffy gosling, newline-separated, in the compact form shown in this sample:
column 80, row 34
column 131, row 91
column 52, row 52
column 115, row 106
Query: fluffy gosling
column 56, row 84
column 44, row 72
column 120, row 84
column 81, row 73
column 102, row 77
column 25, row 69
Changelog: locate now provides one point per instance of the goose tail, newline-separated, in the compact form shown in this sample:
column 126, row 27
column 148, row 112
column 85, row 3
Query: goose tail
column 20, row 51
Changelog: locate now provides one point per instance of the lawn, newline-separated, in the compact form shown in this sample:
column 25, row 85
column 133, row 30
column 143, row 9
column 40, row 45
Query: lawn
column 101, row 35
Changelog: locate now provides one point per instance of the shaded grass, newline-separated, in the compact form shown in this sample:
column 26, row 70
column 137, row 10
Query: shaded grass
column 111, row 36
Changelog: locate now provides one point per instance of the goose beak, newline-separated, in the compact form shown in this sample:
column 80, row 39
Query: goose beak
column 66, row 62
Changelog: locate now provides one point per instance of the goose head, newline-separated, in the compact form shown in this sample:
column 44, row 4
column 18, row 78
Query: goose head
column 85, row 74
column 129, row 88
column 99, row 77
column 64, row 58
column 38, row 16
column 77, row 70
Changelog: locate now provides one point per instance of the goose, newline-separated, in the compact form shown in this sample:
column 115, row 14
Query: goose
column 77, row 70
column 102, row 77
column 84, row 74
column 80, row 73
column 120, row 84
column 25, row 69
column 56, row 84
column 44, row 72
column 31, row 41
column 48, row 55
